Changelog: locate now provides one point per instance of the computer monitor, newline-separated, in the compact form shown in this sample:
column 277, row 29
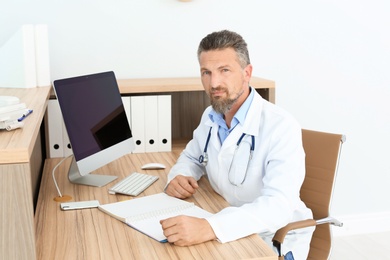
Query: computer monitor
column 96, row 122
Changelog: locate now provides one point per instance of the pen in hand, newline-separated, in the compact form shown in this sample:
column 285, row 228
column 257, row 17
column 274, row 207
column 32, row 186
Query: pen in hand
column 28, row 112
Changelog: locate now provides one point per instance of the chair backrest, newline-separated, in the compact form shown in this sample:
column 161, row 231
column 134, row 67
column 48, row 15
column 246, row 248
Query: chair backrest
column 322, row 155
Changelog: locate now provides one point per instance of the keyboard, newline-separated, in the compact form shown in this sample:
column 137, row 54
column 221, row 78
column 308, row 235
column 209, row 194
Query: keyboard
column 133, row 184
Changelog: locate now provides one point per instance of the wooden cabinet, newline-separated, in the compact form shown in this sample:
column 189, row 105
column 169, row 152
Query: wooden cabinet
column 188, row 98
column 21, row 166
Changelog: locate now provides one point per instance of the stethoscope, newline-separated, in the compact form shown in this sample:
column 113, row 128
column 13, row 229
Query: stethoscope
column 204, row 158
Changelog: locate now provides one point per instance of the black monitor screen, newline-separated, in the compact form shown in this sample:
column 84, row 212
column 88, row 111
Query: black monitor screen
column 93, row 112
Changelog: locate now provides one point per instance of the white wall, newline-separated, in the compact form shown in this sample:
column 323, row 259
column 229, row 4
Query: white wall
column 330, row 60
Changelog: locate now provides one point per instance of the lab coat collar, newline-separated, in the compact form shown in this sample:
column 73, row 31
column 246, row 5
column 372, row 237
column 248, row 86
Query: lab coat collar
column 252, row 121
column 251, row 124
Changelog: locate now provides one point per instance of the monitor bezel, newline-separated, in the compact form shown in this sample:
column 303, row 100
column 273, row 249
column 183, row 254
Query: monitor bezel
column 80, row 169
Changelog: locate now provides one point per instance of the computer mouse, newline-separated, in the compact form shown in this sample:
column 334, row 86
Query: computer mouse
column 153, row 166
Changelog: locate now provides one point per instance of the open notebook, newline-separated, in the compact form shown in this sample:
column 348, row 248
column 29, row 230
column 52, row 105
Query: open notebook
column 144, row 213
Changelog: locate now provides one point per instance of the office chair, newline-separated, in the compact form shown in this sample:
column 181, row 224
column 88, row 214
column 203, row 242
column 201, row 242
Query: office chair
column 322, row 155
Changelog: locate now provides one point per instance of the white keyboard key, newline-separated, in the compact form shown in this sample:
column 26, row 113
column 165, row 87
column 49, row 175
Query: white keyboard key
column 133, row 184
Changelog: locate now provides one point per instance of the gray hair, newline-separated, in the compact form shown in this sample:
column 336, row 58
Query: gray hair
column 226, row 39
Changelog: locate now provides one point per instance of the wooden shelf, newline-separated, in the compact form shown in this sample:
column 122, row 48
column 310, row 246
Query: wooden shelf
column 188, row 98
column 160, row 85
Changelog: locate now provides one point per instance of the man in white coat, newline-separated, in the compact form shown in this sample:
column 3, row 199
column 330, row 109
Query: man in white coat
column 251, row 152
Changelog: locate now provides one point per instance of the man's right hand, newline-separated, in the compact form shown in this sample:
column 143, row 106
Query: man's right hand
column 182, row 187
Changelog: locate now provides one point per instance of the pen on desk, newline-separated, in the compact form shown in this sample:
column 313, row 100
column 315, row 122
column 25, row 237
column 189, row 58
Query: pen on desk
column 28, row 112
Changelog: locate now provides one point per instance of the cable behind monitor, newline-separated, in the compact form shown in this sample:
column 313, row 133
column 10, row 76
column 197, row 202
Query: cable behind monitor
column 60, row 197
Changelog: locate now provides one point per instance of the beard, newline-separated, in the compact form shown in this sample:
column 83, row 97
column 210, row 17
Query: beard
column 223, row 105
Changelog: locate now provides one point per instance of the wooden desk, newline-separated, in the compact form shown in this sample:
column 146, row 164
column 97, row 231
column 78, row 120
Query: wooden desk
column 20, row 170
column 92, row 234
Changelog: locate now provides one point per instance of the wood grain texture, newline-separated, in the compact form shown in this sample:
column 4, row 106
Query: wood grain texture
column 16, row 146
column 154, row 85
column 188, row 98
column 17, row 213
column 91, row 234
column 20, row 172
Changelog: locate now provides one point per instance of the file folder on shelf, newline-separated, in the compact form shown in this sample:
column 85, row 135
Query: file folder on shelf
column 57, row 136
column 65, row 140
column 127, row 107
column 137, row 122
column 164, row 123
column 54, row 130
column 151, row 124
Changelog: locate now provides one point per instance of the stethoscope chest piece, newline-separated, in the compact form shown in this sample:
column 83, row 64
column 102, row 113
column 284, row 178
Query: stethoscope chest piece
column 203, row 159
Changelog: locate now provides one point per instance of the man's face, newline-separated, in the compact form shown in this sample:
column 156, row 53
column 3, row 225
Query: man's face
column 223, row 79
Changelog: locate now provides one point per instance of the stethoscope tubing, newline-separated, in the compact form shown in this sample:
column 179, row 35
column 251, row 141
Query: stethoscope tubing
column 203, row 159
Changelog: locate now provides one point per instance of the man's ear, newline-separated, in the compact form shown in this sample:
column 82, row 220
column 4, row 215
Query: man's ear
column 248, row 72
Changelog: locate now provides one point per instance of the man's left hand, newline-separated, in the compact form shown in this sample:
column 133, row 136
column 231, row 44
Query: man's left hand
column 186, row 230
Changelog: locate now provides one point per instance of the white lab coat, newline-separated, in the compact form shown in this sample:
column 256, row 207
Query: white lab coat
column 269, row 196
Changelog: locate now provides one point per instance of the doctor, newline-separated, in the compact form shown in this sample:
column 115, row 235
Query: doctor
column 251, row 152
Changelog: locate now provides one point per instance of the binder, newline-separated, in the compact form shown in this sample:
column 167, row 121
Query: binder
column 137, row 122
column 55, row 130
column 164, row 123
column 151, row 124
column 58, row 139
column 127, row 107
column 67, row 147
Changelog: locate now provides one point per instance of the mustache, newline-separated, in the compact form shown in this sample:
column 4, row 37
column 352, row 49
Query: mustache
column 218, row 89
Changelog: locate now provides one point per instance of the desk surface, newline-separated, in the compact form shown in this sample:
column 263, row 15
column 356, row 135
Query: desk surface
column 92, row 234
column 16, row 146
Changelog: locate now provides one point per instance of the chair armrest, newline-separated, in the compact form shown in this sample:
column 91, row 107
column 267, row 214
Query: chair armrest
column 329, row 220
column 281, row 233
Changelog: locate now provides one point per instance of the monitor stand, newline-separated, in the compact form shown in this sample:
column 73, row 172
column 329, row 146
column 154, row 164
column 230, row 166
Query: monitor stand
column 89, row 179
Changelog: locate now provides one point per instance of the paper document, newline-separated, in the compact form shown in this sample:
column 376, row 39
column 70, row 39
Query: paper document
column 144, row 213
